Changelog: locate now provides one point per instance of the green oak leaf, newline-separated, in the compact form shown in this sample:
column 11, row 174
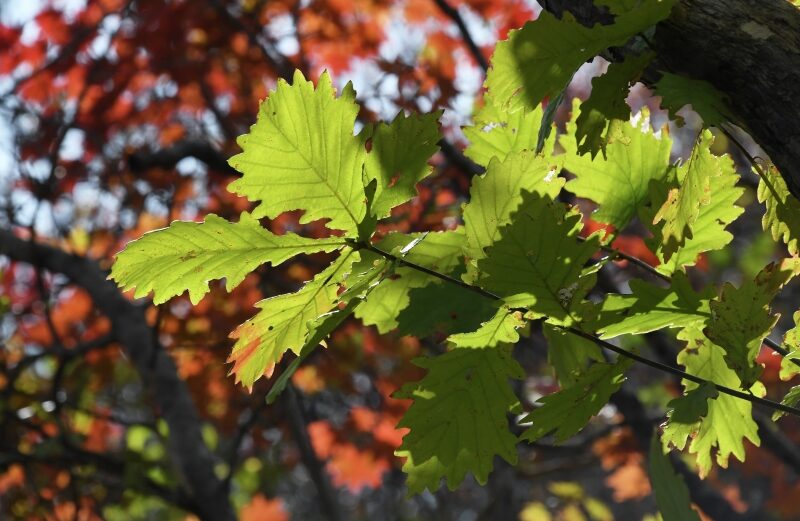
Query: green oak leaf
column 538, row 260
column 677, row 91
column 444, row 308
column 682, row 208
column 708, row 230
column 301, row 154
column 458, row 421
column 398, row 158
column 619, row 182
column 782, row 216
column 650, row 308
column 566, row 412
column 498, row 133
column 672, row 495
column 538, row 60
column 791, row 399
column 500, row 329
column 569, row 355
column 495, row 195
column 607, row 103
column 685, row 414
column 319, row 330
column 741, row 318
column 438, row 251
column 789, row 363
column 282, row 324
column 729, row 421
column 187, row 255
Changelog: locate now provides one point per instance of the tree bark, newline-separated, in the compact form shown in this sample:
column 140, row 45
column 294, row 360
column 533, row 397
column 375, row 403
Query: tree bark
column 156, row 368
column 749, row 51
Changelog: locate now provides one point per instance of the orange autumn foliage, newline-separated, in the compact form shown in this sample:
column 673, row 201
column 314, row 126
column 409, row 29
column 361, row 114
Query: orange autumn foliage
column 261, row 508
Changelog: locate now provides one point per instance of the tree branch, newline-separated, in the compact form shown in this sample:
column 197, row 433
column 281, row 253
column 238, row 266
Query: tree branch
column 297, row 424
column 155, row 367
column 452, row 13
column 167, row 158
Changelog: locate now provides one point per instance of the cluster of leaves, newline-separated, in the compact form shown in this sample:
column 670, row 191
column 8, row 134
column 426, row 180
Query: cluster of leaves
column 520, row 257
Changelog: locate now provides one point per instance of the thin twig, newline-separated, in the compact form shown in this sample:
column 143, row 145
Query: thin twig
column 452, row 13
column 602, row 343
column 633, row 260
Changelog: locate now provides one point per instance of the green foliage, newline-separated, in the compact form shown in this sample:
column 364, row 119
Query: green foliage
column 498, row 133
column 538, row 261
column 685, row 413
column 439, row 251
column 708, row 230
column 282, row 324
column 791, row 399
column 570, row 355
column 458, row 420
column 782, row 217
column 497, row 193
column 537, row 61
column 682, row 208
column 790, row 364
column 398, row 159
column 520, row 255
column 566, row 412
column 720, row 433
column 501, row 328
column 672, row 495
column 741, row 318
column 309, row 133
column 620, row 182
column 444, row 308
column 650, row 308
column 187, row 255
column 607, row 104
column 677, row 91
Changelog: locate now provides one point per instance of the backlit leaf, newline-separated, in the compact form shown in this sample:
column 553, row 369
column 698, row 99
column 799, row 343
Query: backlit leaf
column 682, row 208
column 439, row 251
column 720, row 433
column 570, row 355
column 187, row 255
column 649, row 308
column 398, row 158
column 619, row 182
column 791, row 399
column 282, row 324
column 538, row 260
column 567, row 411
column 791, row 340
column 538, row 61
column 502, row 328
column 741, row 318
column 458, row 421
column 301, row 154
column 495, row 195
column 607, row 103
column 782, row 217
column 708, row 230
column 498, row 133
column 685, row 414
column 677, row 91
